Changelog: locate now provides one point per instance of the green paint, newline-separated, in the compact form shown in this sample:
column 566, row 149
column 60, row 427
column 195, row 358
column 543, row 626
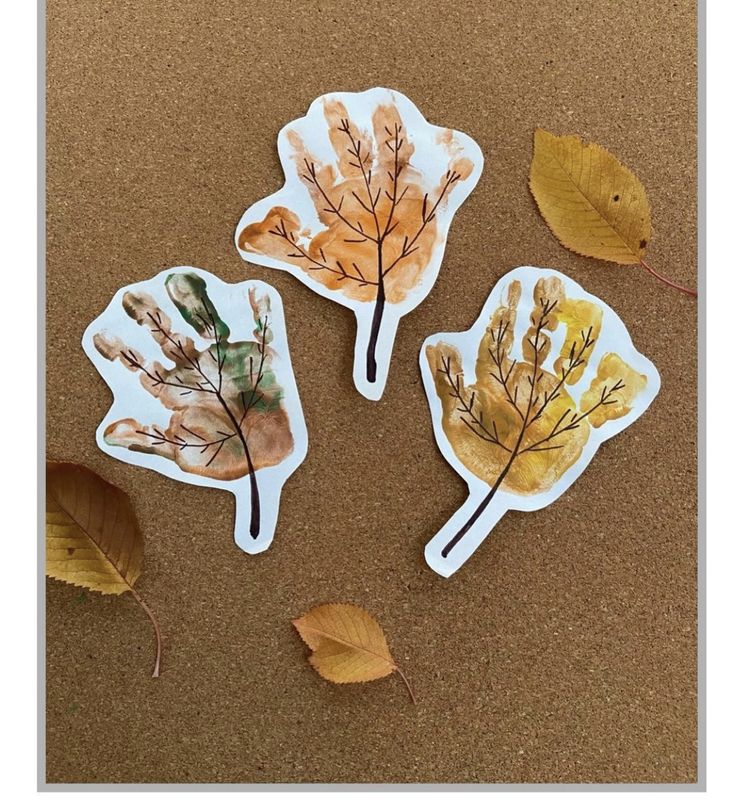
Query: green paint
column 189, row 294
column 237, row 369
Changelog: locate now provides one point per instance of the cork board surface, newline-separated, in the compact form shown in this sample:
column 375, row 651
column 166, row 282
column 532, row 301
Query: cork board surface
column 565, row 650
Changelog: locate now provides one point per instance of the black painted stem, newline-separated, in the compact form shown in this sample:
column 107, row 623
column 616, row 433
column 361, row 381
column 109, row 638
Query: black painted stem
column 446, row 550
column 375, row 330
column 370, row 367
column 255, row 499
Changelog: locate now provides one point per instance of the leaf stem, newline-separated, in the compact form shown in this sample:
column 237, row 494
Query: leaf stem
column 667, row 281
column 378, row 307
column 408, row 686
column 157, row 630
column 475, row 516
column 255, row 501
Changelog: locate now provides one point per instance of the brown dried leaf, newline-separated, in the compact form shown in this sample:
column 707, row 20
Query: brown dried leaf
column 92, row 536
column 348, row 645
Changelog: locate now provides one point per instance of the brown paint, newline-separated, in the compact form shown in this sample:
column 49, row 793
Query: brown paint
column 209, row 415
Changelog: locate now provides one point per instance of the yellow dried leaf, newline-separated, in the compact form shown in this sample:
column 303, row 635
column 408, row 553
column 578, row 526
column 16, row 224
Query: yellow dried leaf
column 92, row 536
column 348, row 645
column 594, row 205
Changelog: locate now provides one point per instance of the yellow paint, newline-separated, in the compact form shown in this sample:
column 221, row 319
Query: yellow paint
column 501, row 418
column 611, row 369
column 577, row 316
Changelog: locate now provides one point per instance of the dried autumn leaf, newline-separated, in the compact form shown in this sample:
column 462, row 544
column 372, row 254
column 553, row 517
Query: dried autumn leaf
column 363, row 217
column 593, row 204
column 92, row 536
column 348, row 645
column 521, row 402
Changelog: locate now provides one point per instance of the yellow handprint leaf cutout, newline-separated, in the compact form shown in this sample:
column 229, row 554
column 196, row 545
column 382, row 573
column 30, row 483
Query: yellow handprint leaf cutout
column 371, row 189
column 521, row 402
column 201, row 399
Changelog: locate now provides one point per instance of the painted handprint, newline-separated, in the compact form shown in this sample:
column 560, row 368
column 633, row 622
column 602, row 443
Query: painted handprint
column 521, row 402
column 371, row 188
column 212, row 406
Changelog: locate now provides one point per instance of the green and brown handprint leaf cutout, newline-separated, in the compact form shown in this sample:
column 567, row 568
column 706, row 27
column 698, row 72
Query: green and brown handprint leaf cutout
column 521, row 402
column 203, row 389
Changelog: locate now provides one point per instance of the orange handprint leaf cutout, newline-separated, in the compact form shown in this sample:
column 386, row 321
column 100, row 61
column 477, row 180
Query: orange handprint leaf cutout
column 521, row 402
column 201, row 399
column 371, row 189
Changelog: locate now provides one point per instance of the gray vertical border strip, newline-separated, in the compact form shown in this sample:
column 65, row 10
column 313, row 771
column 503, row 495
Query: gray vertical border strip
column 41, row 388
column 701, row 557
column 42, row 786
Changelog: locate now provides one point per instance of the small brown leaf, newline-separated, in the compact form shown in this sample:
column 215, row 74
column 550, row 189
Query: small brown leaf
column 348, row 645
column 92, row 536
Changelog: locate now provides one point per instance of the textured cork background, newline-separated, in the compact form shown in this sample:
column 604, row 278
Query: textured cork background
column 565, row 650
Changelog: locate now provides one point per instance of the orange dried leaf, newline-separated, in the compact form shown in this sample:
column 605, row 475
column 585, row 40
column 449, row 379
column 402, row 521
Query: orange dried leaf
column 348, row 645
column 92, row 536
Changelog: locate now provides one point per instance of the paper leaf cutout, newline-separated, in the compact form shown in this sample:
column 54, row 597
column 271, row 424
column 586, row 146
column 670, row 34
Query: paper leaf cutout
column 593, row 204
column 203, row 389
column 521, row 402
column 92, row 536
column 348, row 645
column 370, row 190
